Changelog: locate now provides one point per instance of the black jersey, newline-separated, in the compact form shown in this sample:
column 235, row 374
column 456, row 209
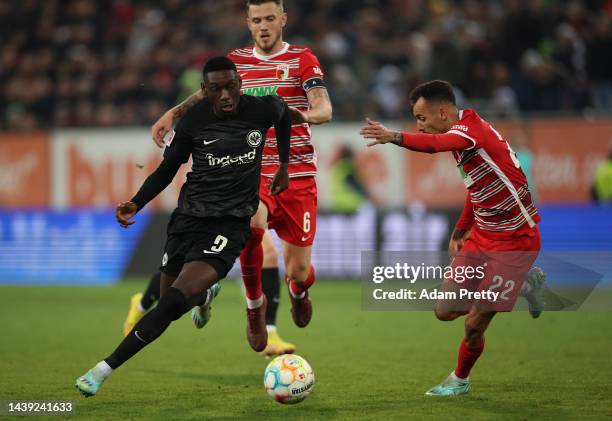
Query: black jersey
column 226, row 152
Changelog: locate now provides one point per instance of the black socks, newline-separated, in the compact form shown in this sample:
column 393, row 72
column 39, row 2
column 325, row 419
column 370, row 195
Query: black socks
column 151, row 295
column 171, row 307
column 270, row 285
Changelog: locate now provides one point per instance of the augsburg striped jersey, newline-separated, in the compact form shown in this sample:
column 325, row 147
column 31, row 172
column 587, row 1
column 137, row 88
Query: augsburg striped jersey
column 284, row 74
column 497, row 186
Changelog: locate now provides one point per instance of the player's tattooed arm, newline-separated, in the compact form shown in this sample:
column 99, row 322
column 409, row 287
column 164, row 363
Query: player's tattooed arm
column 398, row 139
column 165, row 122
column 179, row 110
column 319, row 111
column 380, row 134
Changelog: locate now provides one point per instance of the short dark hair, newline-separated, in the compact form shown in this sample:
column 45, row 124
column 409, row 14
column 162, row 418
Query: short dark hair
column 434, row 90
column 218, row 63
column 258, row 2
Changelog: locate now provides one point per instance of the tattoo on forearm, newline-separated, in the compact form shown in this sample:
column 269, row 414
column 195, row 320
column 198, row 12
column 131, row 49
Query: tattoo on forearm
column 397, row 138
column 320, row 106
column 318, row 93
column 180, row 109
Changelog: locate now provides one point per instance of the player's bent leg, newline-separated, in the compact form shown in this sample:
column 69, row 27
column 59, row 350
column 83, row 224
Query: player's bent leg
column 476, row 323
column 251, row 261
column 165, row 283
column 300, row 276
column 186, row 291
column 140, row 303
column 251, row 258
column 448, row 310
column 472, row 346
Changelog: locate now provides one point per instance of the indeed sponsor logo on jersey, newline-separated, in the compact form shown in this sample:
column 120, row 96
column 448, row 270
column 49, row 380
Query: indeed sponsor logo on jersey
column 261, row 90
column 460, row 127
column 224, row 161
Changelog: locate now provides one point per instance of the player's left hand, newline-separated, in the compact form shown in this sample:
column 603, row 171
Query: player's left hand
column 297, row 116
column 456, row 242
column 280, row 182
column 378, row 132
column 124, row 212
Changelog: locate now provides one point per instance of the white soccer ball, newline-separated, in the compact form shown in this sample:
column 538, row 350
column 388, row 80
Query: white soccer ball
column 289, row 379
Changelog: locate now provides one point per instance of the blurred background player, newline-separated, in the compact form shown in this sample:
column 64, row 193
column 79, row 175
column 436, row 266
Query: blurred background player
column 225, row 136
column 347, row 191
column 498, row 217
column 272, row 66
column 601, row 191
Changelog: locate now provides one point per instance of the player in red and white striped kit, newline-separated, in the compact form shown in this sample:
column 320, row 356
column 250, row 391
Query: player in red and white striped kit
column 498, row 226
column 274, row 67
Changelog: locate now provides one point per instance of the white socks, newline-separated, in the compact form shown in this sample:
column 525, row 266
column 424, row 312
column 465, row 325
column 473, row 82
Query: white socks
column 459, row 379
column 103, row 369
column 297, row 296
column 251, row 304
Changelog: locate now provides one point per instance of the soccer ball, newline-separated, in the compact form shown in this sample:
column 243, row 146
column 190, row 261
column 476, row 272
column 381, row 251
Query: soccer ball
column 289, row 379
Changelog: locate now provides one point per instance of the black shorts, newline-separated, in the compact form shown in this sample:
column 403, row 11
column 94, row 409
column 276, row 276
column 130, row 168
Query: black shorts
column 214, row 240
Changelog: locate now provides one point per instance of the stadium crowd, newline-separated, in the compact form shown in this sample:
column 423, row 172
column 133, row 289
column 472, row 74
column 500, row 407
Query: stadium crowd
column 67, row 63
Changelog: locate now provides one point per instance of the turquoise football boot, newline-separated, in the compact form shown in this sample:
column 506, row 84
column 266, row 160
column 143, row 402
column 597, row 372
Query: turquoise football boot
column 535, row 291
column 89, row 383
column 453, row 385
column 201, row 314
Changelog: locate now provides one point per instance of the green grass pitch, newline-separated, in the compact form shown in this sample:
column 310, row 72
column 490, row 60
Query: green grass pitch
column 368, row 365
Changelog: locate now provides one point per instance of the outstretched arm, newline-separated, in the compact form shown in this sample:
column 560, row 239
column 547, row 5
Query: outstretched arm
column 165, row 122
column 420, row 142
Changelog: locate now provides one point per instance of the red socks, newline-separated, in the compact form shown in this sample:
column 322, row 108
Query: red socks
column 467, row 359
column 251, row 262
column 297, row 289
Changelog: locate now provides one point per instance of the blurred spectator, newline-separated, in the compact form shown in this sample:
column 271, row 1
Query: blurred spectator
column 83, row 62
column 602, row 184
column 599, row 62
column 347, row 192
column 520, row 144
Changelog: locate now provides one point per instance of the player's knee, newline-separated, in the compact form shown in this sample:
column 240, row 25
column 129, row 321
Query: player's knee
column 298, row 271
column 270, row 257
column 444, row 315
column 173, row 304
column 260, row 219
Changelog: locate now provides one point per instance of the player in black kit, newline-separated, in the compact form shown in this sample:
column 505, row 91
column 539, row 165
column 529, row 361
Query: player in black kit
column 225, row 135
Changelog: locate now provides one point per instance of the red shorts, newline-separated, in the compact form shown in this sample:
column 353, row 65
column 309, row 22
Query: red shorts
column 503, row 265
column 293, row 213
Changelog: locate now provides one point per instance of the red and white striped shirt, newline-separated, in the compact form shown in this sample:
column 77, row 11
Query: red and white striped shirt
column 283, row 74
column 499, row 201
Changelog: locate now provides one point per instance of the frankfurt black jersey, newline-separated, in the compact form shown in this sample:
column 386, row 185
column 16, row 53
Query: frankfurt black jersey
column 226, row 152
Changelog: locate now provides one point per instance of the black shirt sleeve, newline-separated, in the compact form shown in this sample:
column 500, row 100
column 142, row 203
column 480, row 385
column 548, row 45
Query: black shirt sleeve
column 175, row 154
column 282, row 124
